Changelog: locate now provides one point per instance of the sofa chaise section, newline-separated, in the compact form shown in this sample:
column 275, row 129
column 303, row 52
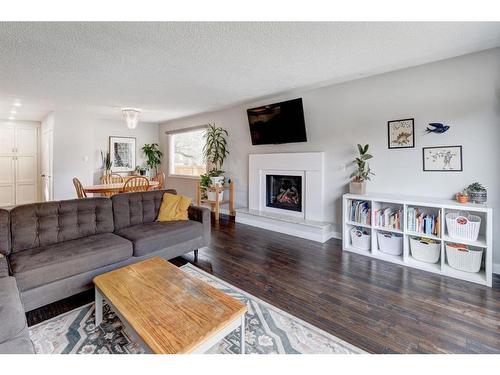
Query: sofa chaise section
column 58, row 247
column 14, row 336
column 135, row 219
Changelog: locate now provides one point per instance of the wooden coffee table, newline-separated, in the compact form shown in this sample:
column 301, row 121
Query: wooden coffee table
column 166, row 309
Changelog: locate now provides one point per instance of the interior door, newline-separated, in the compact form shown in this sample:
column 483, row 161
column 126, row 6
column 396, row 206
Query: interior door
column 46, row 161
column 7, row 174
column 26, row 164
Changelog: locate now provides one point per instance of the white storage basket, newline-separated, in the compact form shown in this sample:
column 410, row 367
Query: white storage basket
column 360, row 239
column 463, row 226
column 425, row 251
column 463, row 259
column 390, row 243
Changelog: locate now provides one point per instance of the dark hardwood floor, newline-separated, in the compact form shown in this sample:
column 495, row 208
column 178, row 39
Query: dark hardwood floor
column 377, row 306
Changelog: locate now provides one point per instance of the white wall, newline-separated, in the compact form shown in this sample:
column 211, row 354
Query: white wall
column 78, row 138
column 463, row 92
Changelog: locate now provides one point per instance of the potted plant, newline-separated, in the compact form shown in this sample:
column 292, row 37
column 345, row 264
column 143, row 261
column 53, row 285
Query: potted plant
column 106, row 162
column 153, row 155
column 463, row 196
column 215, row 152
column 477, row 193
column 362, row 172
column 206, row 184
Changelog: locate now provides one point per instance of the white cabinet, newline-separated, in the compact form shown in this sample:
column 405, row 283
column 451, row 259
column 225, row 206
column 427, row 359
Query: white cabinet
column 18, row 164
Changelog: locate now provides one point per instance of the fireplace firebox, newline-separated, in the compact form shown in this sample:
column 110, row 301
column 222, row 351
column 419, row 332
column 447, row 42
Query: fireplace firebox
column 284, row 192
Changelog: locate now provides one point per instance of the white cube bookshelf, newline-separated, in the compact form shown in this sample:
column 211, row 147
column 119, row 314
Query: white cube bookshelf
column 431, row 205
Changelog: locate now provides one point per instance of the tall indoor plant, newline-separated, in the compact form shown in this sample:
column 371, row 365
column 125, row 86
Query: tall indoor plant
column 362, row 172
column 153, row 155
column 215, row 151
column 106, row 162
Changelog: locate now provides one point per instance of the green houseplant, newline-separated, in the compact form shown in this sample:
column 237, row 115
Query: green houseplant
column 153, row 155
column 215, row 151
column 362, row 172
column 477, row 193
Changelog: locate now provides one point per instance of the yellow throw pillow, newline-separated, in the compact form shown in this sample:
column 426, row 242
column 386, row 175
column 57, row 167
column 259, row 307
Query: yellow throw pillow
column 173, row 208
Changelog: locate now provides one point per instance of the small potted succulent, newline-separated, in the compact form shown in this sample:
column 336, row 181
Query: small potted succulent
column 477, row 193
column 463, row 196
column 362, row 172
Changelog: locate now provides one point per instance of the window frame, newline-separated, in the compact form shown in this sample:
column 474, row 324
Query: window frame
column 171, row 151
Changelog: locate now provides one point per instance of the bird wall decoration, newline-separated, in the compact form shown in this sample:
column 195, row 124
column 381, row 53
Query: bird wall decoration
column 436, row 127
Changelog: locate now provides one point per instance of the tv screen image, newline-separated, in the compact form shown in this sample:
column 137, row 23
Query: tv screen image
column 277, row 123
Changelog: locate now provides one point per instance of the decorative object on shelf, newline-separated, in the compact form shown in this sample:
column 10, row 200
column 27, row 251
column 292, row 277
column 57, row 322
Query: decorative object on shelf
column 106, row 162
column 131, row 117
column 463, row 196
column 139, row 171
column 401, row 133
column 153, row 155
column 463, row 226
column 436, row 127
column 215, row 151
column 463, row 258
column 390, row 243
column 123, row 153
column 211, row 194
column 442, row 159
column 477, row 193
column 362, row 172
column 425, row 250
column 360, row 238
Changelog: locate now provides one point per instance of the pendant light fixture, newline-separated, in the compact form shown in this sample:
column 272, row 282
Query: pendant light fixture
column 131, row 116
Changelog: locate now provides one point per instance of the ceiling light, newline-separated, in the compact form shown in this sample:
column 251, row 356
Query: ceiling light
column 17, row 103
column 13, row 111
column 12, row 118
column 131, row 116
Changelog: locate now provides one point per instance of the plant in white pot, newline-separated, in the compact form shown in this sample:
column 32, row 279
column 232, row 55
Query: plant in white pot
column 209, row 188
column 215, row 152
column 362, row 172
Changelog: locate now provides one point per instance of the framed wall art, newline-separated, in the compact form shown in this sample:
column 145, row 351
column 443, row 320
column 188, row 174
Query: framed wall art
column 401, row 133
column 123, row 153
column 442, row 159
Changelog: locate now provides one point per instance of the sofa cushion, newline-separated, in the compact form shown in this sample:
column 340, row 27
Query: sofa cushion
column 137, row 208
column 151, row 237
column 4, row 232
column 12, row 318
column 47, row 223
column 19, row 345
column 45, row 264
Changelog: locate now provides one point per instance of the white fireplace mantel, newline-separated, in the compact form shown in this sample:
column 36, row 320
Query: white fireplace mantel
column 309, row 223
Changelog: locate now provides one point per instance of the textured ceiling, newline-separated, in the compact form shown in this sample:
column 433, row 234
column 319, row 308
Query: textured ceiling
column 177, row 69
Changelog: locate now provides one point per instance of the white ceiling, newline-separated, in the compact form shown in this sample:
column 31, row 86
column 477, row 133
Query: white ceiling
column 174, row 69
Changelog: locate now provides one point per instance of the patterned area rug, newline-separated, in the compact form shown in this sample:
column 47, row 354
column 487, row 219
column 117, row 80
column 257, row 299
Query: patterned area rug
column 269, row 330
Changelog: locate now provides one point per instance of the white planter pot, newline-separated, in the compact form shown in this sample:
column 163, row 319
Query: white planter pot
column 212, row 195
column 358, row 188
column 217, row 180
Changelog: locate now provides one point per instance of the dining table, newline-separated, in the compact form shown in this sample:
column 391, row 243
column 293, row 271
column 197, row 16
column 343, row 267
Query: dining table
column 113, row 188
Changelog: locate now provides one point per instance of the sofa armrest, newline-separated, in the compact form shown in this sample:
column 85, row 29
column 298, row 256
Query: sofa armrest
column 4, row 266
column 202, row 215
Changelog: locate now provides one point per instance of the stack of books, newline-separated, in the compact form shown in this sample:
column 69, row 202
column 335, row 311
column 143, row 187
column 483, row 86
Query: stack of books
column 420, row 222
column 389, row 218
column 360, row 212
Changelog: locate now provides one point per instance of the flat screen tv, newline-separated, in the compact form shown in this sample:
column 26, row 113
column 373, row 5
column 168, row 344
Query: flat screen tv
column 277, row 123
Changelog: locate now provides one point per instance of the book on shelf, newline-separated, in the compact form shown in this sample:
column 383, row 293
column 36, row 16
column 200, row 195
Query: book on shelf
column 389, row 218
column 360, row 212
column 421, row 222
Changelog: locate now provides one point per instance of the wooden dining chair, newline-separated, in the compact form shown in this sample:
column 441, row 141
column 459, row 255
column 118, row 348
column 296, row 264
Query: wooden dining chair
column 112, row 178
column 160, row 178
column 138, row 183
column 80, row 192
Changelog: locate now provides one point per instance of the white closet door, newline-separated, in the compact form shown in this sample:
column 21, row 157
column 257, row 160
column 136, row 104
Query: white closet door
column 26, row 164
column 7, row 178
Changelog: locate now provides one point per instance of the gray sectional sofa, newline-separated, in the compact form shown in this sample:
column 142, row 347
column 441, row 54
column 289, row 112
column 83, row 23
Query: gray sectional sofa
column 53, row 250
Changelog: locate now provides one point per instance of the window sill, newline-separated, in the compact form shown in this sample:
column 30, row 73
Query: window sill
column 187, row 177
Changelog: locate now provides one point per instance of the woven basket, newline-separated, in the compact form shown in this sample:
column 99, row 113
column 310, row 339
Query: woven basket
column 463, row 226
column 390, row 243
column 424, row 251
column 464, row 259
column 360, row 239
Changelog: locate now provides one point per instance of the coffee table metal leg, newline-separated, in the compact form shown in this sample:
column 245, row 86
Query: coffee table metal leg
column 242, row 332
column 98, row 307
